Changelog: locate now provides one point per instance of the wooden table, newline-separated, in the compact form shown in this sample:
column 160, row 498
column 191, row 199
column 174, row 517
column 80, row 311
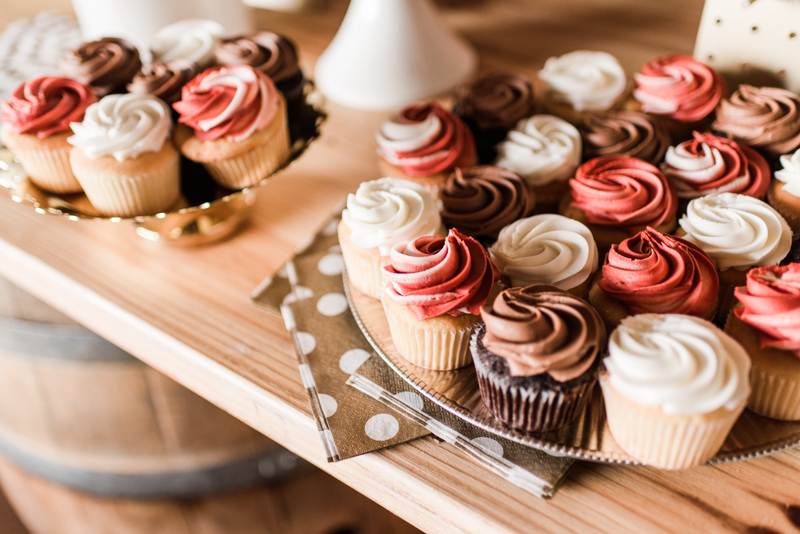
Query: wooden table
column 187, row 311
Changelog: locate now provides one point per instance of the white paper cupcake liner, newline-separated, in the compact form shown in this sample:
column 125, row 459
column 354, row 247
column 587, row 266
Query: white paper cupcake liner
column 49, row 170
column 364, row 274
column 254, row 165
column 775, row 395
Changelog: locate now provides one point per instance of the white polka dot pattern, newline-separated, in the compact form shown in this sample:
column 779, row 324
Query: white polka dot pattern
column 352, row 360
column 410, row 398
column 328, row 403
column 307, row 342
column 492, row 446
column 331, row 264
column 382, row 427
column 332, row 304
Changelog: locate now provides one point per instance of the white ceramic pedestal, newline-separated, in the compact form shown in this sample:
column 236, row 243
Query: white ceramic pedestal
column 389, row 53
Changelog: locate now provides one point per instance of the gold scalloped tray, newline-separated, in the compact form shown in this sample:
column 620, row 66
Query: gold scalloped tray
column 587, row 438
column 204, row 213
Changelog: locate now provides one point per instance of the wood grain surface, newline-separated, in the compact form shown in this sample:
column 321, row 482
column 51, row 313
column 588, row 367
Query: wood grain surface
column 187, row 312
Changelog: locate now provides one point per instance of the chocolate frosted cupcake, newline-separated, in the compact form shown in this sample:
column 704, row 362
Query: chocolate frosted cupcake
column 491, row 105
column 767, row 118
column 107, row 65
column 480, row 201
column 164, row 80
column 536, row 356
column 625, row 133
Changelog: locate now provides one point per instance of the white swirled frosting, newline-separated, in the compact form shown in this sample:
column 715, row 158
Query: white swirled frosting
column 737, row 231
column 683, row 364
column 545, row 249
column 541, row 149
column 790, row 173
column 680, row 162
column 397, row 136
column 193, row 39
column 589, row 81
column 387, row 211
column 122, row 126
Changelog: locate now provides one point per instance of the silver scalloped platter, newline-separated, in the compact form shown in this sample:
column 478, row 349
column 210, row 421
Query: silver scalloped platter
column 205, row 212
column 587, row 438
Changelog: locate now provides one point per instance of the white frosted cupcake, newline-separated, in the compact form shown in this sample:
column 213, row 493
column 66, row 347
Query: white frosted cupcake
column 784, row 191
column 123, row 157
column 544, row 151
column 379, row 215
column 547, row 249
column 673, row 388
column 195, row 40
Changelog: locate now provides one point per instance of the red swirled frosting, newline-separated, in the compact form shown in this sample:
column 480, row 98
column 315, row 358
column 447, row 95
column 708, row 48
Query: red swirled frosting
column 623, row 191
column 771, row 302
column 45, row 106
column 437, row 275
column 425, row 139
column 653, row 272
column 679, row 86
column 231, row 102
column 712, row 164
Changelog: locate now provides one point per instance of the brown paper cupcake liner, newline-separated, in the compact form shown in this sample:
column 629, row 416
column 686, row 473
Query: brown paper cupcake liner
column 49, row 170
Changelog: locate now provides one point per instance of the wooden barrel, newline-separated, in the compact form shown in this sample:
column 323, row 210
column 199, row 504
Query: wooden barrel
column 79, row 411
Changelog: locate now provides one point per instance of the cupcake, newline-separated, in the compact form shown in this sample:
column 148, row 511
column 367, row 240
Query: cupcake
column 673, row 388
column 766, row 118
column 784, row 192
column 547, row 249
column 379, row 215
column 123, row 157
column 653, row 272
column 194, row 40
column 491, row 104
column 233, row 121
column 767, row 324
column 625, row 133
column 37, row 119
column 582, row 82
column 437, row 286
column 545, row 151
column 682, row 90
column 164, row 80
column 710, row 164
column 107, row 65
column 618, row 196
column 480, row 201
column 424, row 143
column 536, row 357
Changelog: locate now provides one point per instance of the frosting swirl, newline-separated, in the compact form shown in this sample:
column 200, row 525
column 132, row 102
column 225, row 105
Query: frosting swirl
column 387, row 211
column 105, row 64
column 683, row 364
column 495, row 100
column 771, row 302
column 164, row 80
column 623, row 191
column 194, row 40
column 653, row 272
column 589, row 81
column 711, row 164
column 541, row 149
column 425, row 139
column 763, row 117
column 624, row 133
column 542, row 329
column 790, row 173
column 546, row 249
column 270, row 53
column 480, row 201
column 230, row 102
column 436, row 275
column 736, row 231
column 679, row 86
column 45, row 106
column 122, row 126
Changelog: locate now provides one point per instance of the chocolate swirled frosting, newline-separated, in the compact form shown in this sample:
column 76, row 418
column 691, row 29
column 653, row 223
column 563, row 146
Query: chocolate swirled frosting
column 164, row 80
column 625, row 133
column 480, row 201
column 542, row 329
column 105, row 65
column 495, row 100
column 272, row 54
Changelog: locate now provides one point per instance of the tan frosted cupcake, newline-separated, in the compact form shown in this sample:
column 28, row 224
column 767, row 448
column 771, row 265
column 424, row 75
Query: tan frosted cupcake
column 437, row 287
column 380, row 214
column 674, row 386
column 37, row 119
column 123, row 157
column 767, row 324
column 233, row 121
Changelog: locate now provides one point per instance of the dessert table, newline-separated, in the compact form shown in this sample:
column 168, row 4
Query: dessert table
column 187, row 311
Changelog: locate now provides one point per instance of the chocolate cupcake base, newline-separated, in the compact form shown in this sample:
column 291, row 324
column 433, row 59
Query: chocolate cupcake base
column 536, row 403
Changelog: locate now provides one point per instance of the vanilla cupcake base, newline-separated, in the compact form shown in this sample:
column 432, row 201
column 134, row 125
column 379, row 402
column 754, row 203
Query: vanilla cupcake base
column 364, row 265
column 665, row 441
column 46, row 161
column 785, row 203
